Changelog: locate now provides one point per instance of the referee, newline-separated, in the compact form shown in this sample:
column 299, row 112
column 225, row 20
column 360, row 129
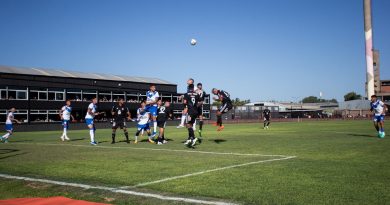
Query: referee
column 120, row 113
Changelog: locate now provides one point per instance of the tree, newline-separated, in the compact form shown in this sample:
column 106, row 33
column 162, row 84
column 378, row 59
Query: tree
column 310, row 99
column 352, row 96
column 237, row 102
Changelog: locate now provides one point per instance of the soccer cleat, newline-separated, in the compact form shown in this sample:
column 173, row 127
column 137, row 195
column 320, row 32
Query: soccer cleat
column 220, row 128
column 67, row 138
column 200, row 140
column 215, row 124
column 113, row 142
column 194, row 142
column 159, row 143
column 267, row 127
column 151, row 141
column 164, row 141
column 180, row 126
column 5, row 141
column 1, row 139
column 187, row 142
column 136, row 141
column 93, row 143
column 128, row 141
column 62, row 138
column 381, row 135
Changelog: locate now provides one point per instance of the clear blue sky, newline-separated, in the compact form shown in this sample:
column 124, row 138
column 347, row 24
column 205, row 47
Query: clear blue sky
column 254, row 49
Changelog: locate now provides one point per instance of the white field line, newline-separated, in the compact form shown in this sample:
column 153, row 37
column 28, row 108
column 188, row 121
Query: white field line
column 207, row 171
column 153, row 149
column 116, row 190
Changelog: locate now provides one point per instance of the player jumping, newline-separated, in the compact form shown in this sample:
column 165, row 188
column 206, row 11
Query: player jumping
column 267, row 118
column 143, row 122
column 66, row 114
column 227, row 105
column 191, row 102
column 190, row 81
column 151, row 105
column 379, row 108
column 9, row 125
column 120, row 113
column 164, row 112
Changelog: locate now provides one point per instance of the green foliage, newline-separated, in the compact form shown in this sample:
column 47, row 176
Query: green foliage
column 352, row 96
column 314, row 99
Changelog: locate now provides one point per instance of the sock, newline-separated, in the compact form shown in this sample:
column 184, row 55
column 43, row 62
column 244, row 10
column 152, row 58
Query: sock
column 127, row 136
column 265, row 124
column 136, row 135
column 377, row 129
column 142, row 133
column 200, row 124
column 6, row 135
column 219, row 120
column 382, row 130
column 268, row 123
column 183, row 119
column 154, row 126
column 191, row 134
column 163, row 137
column 194, row 125
column 92, row 134
column 113, row 136
column 65, row 132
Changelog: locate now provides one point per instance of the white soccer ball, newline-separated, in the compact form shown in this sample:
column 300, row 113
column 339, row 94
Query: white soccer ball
column 193, row 42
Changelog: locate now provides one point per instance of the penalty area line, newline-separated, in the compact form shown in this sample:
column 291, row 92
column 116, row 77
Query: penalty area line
column 116, row 190
column 206, row 171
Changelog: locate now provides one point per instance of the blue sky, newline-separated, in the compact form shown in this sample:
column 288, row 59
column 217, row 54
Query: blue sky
column 255, row 49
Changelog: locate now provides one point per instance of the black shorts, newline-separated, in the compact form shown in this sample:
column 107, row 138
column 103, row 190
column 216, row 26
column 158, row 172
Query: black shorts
column 266, row 118
column 225, row 108
column 118, row 124
column 191, row 118
column 161, row 124
column 200, row 111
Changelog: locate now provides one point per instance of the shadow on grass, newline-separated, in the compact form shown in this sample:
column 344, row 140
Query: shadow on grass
column 78, row 139
column 361, row 135
column 21, row 141
column 9, row 151
column 218, row 141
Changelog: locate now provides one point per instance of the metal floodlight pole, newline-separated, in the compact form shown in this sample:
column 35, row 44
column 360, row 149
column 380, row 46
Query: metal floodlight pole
column 369, row 52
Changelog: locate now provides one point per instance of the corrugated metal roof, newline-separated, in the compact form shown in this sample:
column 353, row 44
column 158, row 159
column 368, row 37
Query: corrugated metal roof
column 76, row 74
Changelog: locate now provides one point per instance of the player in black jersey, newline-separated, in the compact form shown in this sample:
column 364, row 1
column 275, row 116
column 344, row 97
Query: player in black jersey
column 267, row 118
column 191, row 102
column 224, row 98
column 163, row 113
column 202, row 95
column 120, row 114
column 190, row 81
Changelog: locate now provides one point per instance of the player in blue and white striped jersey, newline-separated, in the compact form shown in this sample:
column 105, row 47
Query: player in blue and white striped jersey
column 66, row 114
column 9, row 125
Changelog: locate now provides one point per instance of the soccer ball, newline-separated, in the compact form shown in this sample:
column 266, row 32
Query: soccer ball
column 193, row 42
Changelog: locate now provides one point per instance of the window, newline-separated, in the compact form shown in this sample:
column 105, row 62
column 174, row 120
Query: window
column 105, row 97
column 21, row 95
column 132, row 98
column 166, row 98
column 38, row 94
column 38, row 116
column 74, row 94
column 117, row 95
column 56, row 94
column 3, row 94
column 89, row 94
column 54, row 116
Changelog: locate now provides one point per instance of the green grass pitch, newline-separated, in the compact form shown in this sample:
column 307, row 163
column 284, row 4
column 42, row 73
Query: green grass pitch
column 336, row 162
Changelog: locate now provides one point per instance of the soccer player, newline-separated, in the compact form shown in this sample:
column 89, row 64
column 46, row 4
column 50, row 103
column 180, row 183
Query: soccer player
column 120, row 114
column 89, row 118
column 151, row 105
column 143, row 117
column 379, row 108
column 202, row 95
column 190, row 81
column 191, row 102
column 267, row 118
column 164, row 112
column 227, row 105
column 66, row 114
column 8, row 125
